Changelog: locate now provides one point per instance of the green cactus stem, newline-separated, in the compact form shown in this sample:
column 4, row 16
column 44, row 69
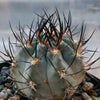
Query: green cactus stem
column 49, row 61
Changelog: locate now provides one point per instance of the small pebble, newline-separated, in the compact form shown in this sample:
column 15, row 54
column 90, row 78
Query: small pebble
column 7, row 84
column 36, row 98
column 4, row 93
column 4, row 71
column 2, row 79
column 87, row 86
column 3, row 74
column 86, row 96
column 2, row 98
column 14, row 98
column 76, row 98
column 8, row 91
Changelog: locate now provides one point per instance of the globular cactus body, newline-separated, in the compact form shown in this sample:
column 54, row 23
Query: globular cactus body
column 54, row 84
column 49, row 62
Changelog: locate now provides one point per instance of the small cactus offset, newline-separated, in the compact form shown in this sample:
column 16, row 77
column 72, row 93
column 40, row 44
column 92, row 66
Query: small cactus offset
column 48, row 62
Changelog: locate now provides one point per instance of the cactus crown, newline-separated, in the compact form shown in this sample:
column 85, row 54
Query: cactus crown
column 49, row 60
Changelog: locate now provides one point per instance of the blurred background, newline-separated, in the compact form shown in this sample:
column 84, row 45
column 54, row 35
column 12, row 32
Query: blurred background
column 23, row 10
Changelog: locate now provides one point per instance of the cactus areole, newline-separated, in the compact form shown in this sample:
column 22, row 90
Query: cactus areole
column 48, row 62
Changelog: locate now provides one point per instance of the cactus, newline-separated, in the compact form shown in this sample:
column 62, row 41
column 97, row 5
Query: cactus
column 48, row 63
